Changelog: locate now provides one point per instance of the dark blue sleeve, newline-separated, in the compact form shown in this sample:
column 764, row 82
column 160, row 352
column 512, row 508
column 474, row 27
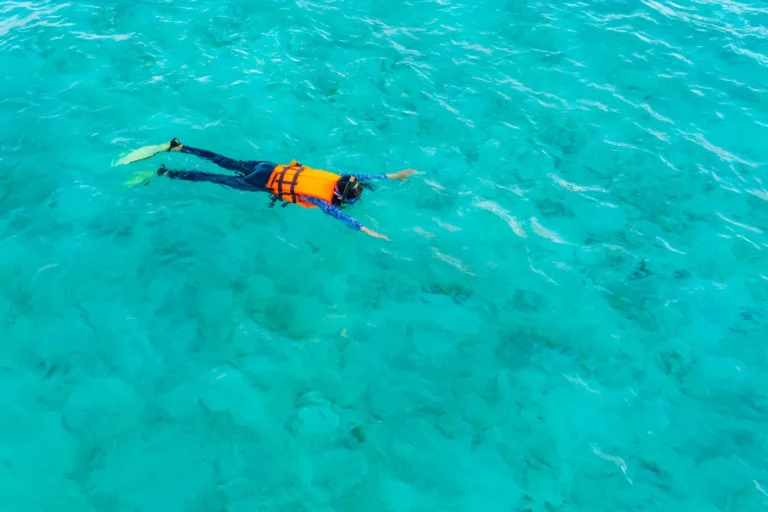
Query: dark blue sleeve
column 333, row 211
column 363, row 177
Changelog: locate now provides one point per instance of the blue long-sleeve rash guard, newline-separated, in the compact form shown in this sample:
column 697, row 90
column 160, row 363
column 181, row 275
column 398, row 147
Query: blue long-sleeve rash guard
column 335, row 211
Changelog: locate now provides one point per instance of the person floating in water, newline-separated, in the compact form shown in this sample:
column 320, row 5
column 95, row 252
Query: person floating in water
column 292, row 183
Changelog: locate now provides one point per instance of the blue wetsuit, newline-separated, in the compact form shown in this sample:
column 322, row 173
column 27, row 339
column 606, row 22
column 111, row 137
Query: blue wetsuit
column 253, row 176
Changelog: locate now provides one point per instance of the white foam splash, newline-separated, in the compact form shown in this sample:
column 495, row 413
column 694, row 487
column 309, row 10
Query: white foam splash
column 500, row 212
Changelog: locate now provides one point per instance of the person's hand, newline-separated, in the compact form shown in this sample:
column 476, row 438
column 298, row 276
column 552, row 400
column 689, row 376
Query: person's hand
column 403, row 174
column 373, row 233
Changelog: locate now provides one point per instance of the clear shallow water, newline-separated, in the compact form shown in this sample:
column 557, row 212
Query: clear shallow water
column 571, row 314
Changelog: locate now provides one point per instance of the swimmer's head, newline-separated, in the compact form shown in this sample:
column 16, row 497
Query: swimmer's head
column 347, row 190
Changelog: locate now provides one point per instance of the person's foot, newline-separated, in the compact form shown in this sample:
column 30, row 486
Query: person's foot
column 175, row 145
column 162, row 170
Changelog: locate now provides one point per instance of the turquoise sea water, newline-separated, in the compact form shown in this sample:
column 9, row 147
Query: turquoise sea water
column 570, row 315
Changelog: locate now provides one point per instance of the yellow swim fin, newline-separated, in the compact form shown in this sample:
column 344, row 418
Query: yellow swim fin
column 142, row 154
column 140, row 178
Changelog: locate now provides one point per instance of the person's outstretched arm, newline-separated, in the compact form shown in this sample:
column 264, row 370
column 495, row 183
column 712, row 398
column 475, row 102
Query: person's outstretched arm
column 337, row 213
column 397, row 175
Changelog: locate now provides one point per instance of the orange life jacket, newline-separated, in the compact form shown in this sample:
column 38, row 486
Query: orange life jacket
column 288, row 182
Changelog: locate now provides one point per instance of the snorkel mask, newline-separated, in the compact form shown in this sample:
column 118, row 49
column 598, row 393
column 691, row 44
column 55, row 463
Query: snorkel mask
column 348, row 190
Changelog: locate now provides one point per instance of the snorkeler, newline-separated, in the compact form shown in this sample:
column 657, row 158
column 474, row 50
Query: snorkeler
column 292, row 183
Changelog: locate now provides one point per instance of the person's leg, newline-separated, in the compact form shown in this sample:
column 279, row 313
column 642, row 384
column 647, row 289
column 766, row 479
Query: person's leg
column 242, row 167
column 221, row 179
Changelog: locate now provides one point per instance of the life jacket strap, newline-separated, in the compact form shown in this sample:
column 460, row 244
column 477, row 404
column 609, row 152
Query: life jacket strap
column 281, row 181
column 294, row 181
column 292, row 190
